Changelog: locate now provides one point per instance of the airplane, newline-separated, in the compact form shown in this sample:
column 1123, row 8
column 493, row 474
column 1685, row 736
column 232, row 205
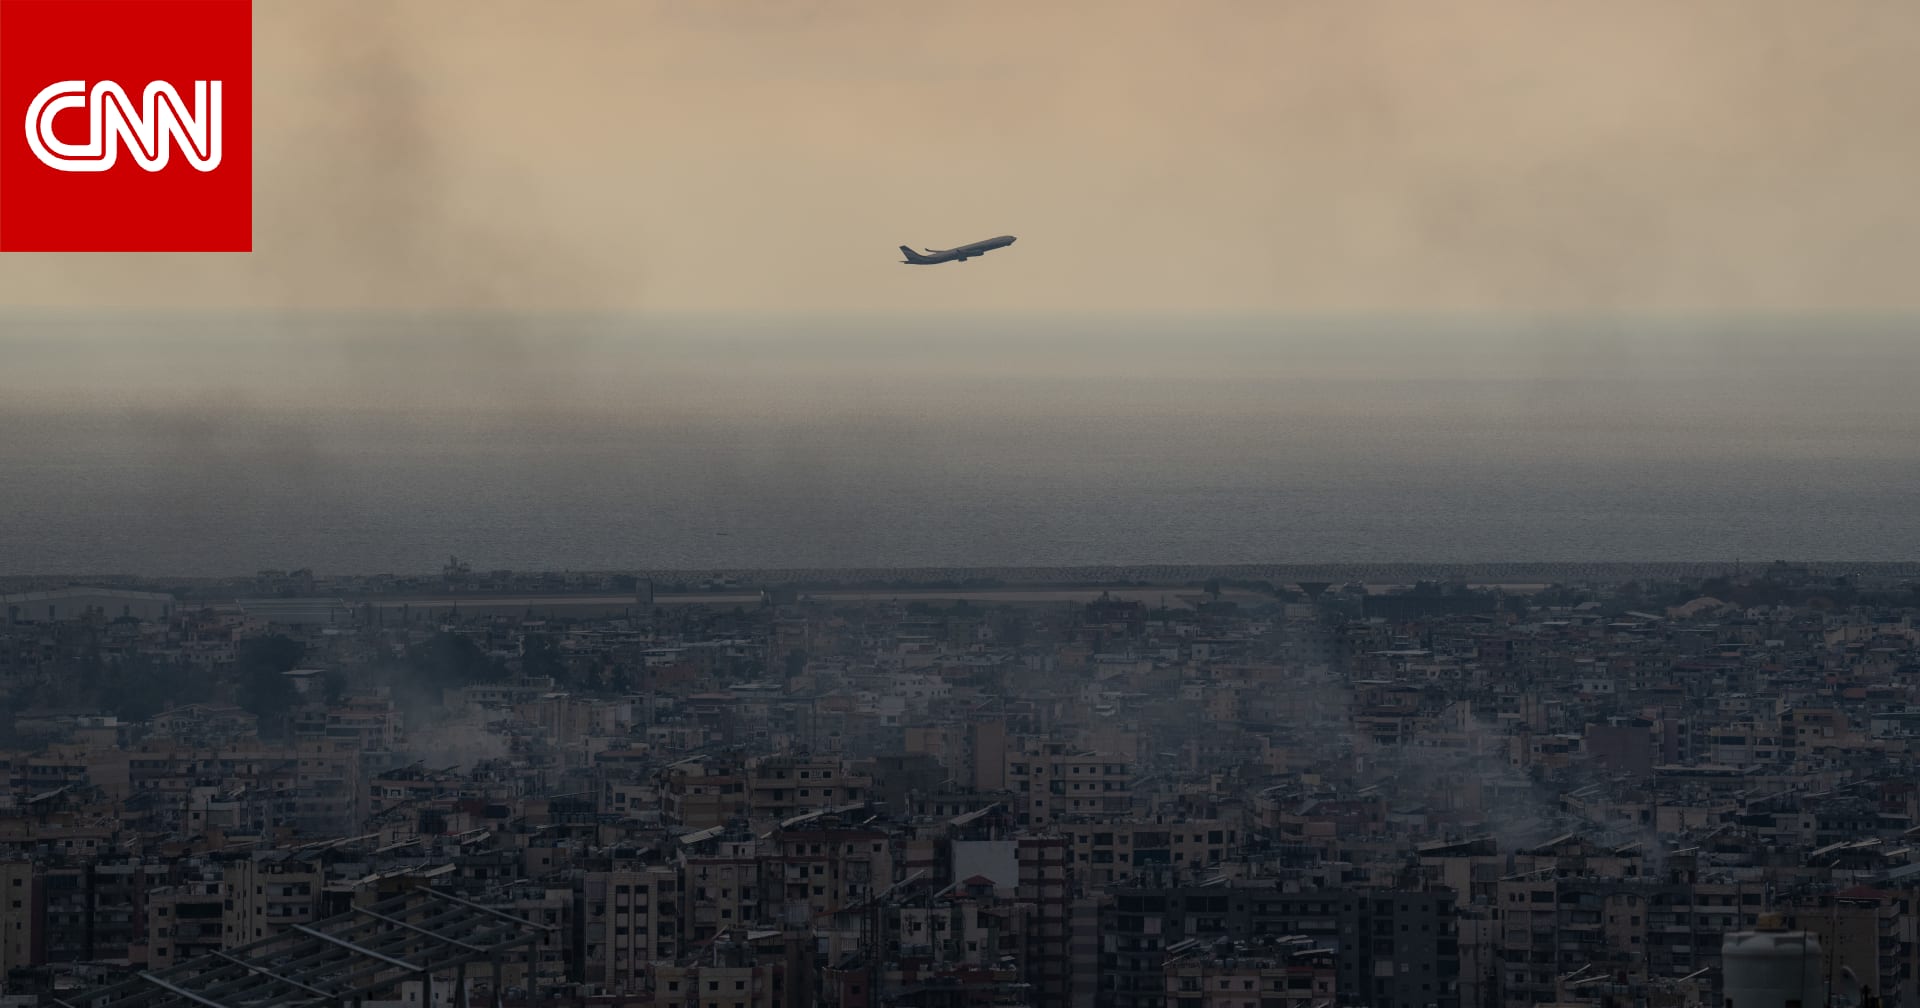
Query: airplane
column 961, row 254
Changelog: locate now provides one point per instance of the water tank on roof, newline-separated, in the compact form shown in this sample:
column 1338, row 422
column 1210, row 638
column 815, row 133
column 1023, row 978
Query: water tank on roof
column 1771, row 967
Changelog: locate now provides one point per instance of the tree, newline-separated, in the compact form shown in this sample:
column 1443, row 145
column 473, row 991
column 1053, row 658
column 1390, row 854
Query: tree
column 267, row 695
column 278, row 652
column 428, row 669
column 538, row 657
column 449, row 659
column 137, row 686
column 261, row 685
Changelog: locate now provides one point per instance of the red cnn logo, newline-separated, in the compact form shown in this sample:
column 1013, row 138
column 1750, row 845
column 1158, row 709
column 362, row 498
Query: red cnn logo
column 126, row 126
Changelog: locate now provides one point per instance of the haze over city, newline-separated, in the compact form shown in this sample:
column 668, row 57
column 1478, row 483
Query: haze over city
column 1421, row 517
column 1635, row 271
column 1489, row 157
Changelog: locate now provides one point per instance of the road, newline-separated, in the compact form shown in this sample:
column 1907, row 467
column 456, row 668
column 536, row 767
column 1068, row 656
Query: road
column 1176, row 597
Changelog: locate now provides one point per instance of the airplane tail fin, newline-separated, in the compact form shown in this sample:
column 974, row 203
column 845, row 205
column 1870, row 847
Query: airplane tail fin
column 912, row 256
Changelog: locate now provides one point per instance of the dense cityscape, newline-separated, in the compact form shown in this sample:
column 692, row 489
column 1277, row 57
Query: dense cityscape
column 1007, row 504
column 1229, row 792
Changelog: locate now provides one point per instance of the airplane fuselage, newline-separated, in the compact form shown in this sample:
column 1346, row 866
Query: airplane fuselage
column 961, row 254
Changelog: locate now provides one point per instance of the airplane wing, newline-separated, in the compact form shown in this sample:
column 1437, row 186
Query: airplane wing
column 938, row 251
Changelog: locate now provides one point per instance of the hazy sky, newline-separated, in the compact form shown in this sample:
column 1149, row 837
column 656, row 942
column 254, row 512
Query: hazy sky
column 1736, row 156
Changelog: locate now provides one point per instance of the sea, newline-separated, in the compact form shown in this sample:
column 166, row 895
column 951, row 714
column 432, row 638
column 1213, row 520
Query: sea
column 207, row 446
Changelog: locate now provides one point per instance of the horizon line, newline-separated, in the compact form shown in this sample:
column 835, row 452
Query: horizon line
column 1437, row 316
column 1739, row 565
